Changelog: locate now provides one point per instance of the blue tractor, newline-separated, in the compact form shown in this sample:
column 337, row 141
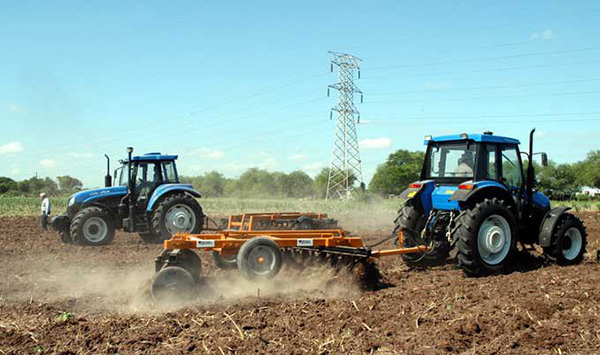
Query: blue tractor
column 474, row 197
column 146, row 198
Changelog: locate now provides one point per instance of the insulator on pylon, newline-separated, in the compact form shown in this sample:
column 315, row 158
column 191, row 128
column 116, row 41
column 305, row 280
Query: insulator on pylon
column 332, row 67
column 331, row 114
column 359, row 74
column 361, row 98
column 327, row 92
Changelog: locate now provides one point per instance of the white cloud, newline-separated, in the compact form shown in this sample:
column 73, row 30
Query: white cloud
column 14, row 172
column 545, row 35
column 298, row 157
column 210, row 153
column 12, row 147
column 48, row 163
column 15, row 108
column 375, row 143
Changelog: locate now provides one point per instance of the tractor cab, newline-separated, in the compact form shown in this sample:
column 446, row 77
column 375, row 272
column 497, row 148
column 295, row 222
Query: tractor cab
column 457, row 167
column 148, row 172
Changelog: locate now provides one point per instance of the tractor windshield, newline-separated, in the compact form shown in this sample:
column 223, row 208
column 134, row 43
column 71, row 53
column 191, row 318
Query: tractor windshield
column 123, row 178
column 454, row 161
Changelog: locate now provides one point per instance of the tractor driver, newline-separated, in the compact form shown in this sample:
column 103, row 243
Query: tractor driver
column 465, row 165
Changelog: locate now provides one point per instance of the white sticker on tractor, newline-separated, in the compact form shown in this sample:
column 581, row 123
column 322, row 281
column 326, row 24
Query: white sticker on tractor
column 205, row 243
column 305, row 243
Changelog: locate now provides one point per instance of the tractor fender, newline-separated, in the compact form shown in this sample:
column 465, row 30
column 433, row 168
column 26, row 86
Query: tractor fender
column 168, row 189
column 483, row 190
column 549, row 223
column 420, row 192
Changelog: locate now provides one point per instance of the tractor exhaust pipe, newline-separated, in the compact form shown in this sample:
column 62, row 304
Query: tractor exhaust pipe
column 107, row 177
column 130, row 190
column 530, row 174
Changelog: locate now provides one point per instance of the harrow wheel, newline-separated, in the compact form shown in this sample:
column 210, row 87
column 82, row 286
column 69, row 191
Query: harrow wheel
column 173, row 284
column 190, row 261
column 259, row 258
column 224, row 261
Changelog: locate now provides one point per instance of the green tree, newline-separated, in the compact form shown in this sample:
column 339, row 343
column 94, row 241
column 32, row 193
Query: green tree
column 67, row 183
column 7, row 184
column 588, row 171
column 213, row 184
column 557, row 179
column 401, row 168
column 297, row 184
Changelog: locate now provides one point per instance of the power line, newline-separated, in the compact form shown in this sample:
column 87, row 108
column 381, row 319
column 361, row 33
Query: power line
column 451, row 89
column 576, row 93
column 486, row 59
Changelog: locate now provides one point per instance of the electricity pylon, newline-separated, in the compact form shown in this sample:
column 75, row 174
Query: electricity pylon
column 345, row 167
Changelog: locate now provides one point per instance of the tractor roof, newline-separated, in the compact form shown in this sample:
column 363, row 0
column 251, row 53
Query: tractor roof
column 476, row 137
column 154, row 157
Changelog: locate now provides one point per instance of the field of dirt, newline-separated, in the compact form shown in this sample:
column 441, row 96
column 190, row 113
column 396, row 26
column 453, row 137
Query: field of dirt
column 66, row 299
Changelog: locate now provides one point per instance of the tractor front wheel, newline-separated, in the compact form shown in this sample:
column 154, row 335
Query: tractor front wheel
column 487, row 238
column 568, row 241
column 177, row 213
column 92, row 226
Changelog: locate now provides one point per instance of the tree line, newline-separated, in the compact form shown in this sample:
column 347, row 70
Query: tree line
column 559, row 181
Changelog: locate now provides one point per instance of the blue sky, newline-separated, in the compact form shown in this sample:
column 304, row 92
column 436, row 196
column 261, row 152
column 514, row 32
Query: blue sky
column 231, row 85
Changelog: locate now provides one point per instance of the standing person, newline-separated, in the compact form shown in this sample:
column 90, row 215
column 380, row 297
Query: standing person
column 46, row 210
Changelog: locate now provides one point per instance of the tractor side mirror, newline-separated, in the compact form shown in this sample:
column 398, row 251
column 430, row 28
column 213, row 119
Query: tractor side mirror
column 544, row 160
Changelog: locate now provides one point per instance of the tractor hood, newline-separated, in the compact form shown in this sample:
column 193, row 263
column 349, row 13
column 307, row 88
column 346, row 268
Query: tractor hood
column 89, row 195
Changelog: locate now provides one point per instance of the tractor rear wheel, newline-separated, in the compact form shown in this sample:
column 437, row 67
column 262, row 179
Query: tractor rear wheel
column 92, row 226
column 569, row 240
column 225, row 261
column 411, row 221
column 177, row 213
column 486, row 238
column 173, row 284
column 259, row 258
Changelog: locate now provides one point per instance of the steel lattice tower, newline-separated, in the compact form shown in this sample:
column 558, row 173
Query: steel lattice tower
column 345, row 167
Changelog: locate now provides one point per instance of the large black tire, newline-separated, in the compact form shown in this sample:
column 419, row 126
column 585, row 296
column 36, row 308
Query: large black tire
column 259, row 258
column 498, row 237
column 411, row 220
column 569, row 241
column 158, row 223
column 65, row 236
column 93, row 226
column 173, row 285
column 224, row 262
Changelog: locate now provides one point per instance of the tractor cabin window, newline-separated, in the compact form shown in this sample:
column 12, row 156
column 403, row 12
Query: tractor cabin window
column 169, row 172
column 512, row 175
column 452, row 160
column 490, row 162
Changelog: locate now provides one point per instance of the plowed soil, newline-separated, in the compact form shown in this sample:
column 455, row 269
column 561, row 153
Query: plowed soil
column 64, row 299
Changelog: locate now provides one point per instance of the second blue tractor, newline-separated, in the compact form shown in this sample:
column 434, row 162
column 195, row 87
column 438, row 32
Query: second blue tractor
column 475, row 197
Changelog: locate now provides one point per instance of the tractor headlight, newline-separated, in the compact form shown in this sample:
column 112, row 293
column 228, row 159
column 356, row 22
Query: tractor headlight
column 71, row 201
